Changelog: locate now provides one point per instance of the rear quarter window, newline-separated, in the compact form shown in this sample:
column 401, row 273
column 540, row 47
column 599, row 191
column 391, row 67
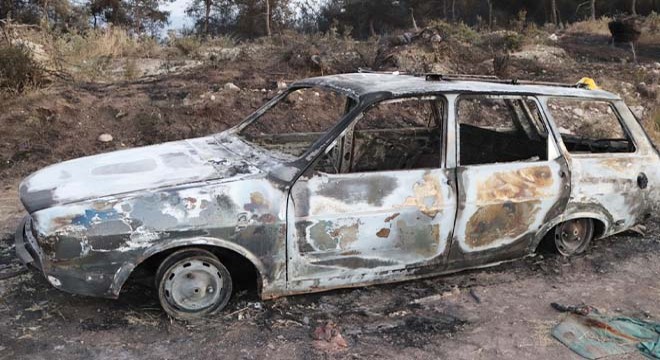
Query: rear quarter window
column 590, row 126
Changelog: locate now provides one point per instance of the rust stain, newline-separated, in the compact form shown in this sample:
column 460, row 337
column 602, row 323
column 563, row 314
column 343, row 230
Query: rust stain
column 524, row 183
column 346, row 234
column 257, row 202
column 383, row 233
column 607, row 327
column 493, row 222
column 427, row 196
column 392, row 217
column 326, row 236
column 190, row 203
column 509, row 202
column 620, row 165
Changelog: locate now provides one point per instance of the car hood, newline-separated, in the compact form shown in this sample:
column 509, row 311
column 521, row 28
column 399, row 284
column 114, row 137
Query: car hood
column 131, row 170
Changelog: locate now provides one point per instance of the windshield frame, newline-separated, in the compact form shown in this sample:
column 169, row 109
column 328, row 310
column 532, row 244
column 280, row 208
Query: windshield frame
column 235, row 130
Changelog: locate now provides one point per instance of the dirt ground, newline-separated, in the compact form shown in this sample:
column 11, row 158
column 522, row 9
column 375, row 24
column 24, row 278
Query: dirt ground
column 499, row 312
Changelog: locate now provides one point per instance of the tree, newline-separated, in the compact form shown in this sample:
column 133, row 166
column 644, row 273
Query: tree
column 553, row 12
column 490, row 13
column 593, row 9
column 267, row 17
column 633, row 7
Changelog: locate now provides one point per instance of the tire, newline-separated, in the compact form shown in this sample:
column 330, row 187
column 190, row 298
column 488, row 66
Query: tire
column 573, row 237
column 192, row 283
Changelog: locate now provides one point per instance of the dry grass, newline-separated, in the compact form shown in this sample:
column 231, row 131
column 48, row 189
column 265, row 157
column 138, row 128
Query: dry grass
column 598, row 26
column 653, row 127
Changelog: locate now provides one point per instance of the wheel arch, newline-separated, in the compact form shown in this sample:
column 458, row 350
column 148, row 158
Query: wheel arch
column 601, row 224
column 125, row 271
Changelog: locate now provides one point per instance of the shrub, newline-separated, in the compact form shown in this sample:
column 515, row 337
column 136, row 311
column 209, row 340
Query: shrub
column 187, row 45
column 18, row 69
column 598, row 26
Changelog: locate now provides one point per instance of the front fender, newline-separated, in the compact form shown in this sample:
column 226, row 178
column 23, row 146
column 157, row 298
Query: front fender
column 127, row 268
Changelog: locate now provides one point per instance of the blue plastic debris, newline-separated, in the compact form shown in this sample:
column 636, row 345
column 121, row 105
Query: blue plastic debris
column 594, row 336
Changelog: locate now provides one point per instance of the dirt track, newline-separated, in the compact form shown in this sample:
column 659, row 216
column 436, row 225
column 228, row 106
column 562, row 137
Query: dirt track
column 428, row 319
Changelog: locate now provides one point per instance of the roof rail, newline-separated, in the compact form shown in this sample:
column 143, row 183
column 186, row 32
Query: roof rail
column 495, row 79
column 468, row 77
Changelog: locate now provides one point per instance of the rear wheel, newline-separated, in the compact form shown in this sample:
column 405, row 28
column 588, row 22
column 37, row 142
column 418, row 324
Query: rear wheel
column 193, row 283
column 573, row 236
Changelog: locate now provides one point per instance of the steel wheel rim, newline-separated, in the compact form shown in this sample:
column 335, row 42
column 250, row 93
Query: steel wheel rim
column 572, row 235
column 193, row 285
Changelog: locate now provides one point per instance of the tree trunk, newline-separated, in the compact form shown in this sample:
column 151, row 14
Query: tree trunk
column 490, row 14
column 444, row 9
column 553, row 12
column 453, row 10
column 207, row 15
column 372, row 30
column 633, row 7
column 268, row 18
column 414, row 23
column 46, row 12
column 593, row 9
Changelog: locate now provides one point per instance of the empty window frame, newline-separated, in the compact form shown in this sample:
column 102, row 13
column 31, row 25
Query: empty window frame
column 297, row 120
column 589, row 126
column 399, row 134
column 496, row 129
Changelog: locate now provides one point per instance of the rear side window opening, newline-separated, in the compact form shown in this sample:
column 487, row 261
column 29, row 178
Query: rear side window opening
column 590, row 126
column 500, row 128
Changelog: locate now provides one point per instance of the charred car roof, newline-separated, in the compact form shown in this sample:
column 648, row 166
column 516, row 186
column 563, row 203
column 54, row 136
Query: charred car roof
column 362, row 84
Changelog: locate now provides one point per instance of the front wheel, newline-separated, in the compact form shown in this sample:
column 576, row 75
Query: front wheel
column 193, row 283
column 573, row 237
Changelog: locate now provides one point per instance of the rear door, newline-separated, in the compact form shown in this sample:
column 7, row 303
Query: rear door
column 511, row 178
column 379, row 205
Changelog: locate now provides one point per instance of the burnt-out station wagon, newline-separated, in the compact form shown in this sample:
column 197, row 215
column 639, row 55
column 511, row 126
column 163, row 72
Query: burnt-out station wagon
column 344, row 181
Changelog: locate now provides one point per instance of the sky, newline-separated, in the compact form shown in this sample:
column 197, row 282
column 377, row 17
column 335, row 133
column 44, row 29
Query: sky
column 178, row 17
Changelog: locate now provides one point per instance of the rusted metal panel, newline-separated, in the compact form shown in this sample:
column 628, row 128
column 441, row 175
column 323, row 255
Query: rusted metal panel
column 348, row 227
column 501, row 208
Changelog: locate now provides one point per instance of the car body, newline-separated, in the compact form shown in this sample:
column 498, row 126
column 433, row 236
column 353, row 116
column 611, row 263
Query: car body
column 93, row 220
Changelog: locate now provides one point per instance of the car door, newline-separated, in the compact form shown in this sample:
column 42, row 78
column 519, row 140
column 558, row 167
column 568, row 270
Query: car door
column 379, row 205
column 511, row 178
column 609, row 169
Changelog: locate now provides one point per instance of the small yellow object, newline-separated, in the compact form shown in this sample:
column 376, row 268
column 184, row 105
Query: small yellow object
column 588, row 83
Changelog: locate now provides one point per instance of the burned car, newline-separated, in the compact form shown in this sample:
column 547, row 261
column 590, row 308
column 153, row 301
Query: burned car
column 344, row 181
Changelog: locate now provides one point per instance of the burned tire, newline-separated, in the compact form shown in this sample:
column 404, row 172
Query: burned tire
column 193, row 283
column 573, row 237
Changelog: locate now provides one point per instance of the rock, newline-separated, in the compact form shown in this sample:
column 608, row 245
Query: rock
column 553, row 37
column 120, row 115
column 212, row 97
column 105, row 138
column 638, row 110
column 578, row 112
column 647, row 91
column 281, row 85
column 231, row 87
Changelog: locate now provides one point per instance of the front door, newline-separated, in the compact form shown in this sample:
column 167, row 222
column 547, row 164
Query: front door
column 511, row 179
column 379, row 205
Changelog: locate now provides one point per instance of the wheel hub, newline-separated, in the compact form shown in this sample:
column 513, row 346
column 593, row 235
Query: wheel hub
column 193, row 285
column 571, row 235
